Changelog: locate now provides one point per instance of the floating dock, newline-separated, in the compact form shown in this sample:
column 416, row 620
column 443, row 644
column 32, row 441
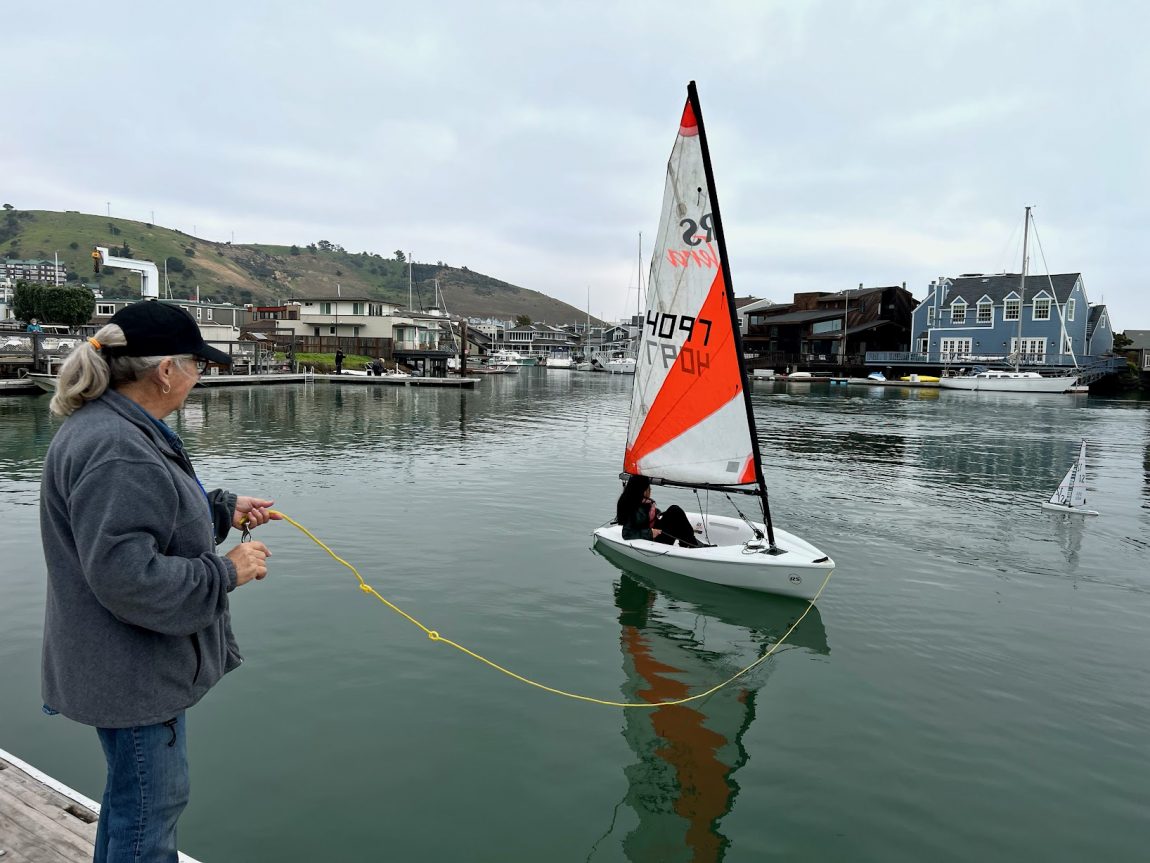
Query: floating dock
column 42, row 820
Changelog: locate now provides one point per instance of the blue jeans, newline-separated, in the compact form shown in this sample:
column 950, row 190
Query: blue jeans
column 146, row 790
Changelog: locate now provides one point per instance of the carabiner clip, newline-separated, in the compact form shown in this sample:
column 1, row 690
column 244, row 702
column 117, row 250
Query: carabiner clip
column 246, row 534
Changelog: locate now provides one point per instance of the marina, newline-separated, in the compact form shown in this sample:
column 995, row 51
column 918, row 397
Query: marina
column 970, row 685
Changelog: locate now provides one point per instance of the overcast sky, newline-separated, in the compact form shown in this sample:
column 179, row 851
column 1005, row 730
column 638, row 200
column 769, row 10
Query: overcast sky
column 873, row 142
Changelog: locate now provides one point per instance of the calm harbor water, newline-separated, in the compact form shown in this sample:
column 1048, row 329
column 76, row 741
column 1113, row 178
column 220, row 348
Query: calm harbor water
column 974, row 684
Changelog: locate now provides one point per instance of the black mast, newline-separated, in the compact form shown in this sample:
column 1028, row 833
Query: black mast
column 736, row 328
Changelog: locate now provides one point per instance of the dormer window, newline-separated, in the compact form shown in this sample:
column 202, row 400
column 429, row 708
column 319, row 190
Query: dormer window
column 985, row 312
column 958, row 312
column 1011, row 309
column 1041, row 309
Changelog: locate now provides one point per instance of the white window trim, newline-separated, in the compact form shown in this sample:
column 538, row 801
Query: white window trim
column 990, row 313
column 1007, row 304
column 1034, row 309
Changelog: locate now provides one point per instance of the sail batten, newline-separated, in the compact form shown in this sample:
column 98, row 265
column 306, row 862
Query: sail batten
column 690, row 420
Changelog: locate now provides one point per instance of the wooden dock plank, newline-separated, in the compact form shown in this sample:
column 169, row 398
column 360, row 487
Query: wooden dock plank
column 42, row 820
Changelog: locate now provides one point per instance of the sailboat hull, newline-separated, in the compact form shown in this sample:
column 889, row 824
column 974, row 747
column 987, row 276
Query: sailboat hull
column 1073, row 510
column 1008, row 382
column 798, row 571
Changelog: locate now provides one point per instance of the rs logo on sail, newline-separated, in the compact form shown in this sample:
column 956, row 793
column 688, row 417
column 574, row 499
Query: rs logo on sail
column 695, row 233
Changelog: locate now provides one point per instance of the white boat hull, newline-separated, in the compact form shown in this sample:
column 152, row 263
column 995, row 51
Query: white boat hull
column 1072, row 510
column 1009, row 384
column 799, row 571
column 45, row 382
column 621, row 367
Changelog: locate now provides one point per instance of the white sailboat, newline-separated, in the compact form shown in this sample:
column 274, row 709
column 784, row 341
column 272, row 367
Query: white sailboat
column 1015, row 381
column 691, row 422
column 1071, row 493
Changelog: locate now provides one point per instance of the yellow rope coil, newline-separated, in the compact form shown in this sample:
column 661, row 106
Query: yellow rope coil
column 435, row 636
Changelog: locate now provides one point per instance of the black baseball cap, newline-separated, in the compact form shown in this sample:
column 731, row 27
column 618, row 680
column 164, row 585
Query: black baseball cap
column 155, row 329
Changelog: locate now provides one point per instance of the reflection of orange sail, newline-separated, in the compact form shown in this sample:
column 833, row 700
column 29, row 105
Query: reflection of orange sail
column 689, row 747
column 682, row 782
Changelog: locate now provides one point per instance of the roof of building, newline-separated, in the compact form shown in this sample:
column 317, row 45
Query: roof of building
column 803, row 317
column 997, row 287
column 1139, row 339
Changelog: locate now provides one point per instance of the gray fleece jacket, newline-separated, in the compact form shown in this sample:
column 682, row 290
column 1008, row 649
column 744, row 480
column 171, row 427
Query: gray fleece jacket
column 137, row 626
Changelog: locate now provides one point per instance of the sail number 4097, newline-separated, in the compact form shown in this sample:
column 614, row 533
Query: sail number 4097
column 693, row 360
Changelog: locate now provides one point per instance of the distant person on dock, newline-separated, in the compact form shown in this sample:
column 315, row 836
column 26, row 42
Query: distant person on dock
column 34, row 326
column 137, row 627
column 640, row 519
column 339, row 357
column 377, row 367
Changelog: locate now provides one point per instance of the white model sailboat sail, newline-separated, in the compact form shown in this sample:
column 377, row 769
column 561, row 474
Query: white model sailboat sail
column 1071, row 493
column 691, row 422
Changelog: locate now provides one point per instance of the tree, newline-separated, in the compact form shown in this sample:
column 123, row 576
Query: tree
column 9, row 207
column 175, row 265
column 1121, row 340
column 295, row 249
column 400, row 256
column 73, row 245
column 72, row 306
column 522, row 320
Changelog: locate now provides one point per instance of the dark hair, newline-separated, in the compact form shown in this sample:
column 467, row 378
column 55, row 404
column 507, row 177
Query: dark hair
column 631, row 497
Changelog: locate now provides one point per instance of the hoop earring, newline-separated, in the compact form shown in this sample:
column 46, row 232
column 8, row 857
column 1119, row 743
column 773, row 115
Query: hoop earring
column 167, row 389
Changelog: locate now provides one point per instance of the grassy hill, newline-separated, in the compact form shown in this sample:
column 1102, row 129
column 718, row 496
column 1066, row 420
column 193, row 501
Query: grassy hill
column 261, row 274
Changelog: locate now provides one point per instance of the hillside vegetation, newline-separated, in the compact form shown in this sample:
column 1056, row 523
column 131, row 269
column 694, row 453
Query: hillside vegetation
column 261, row 274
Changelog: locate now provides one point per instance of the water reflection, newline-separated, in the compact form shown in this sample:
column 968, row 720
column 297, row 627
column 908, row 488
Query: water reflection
column 677, row 636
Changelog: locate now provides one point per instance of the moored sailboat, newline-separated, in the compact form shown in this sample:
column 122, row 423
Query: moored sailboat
column 691, row 422
column 1016, row 380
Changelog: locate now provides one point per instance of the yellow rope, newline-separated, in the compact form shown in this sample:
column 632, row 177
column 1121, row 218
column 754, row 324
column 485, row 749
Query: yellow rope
column 435, row 636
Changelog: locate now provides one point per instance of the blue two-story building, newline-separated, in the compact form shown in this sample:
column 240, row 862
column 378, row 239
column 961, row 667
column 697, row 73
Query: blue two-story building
column 988, row 319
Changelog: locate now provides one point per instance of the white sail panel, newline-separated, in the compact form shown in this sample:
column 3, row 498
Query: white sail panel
column 1078, row 487
column 688, row 413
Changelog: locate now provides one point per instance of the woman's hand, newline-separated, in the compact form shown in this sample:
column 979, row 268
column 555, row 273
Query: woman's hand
column 655, row 532
column 253, row 511
column 250, row 559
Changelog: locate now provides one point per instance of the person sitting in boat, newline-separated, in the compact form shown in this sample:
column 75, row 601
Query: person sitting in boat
column 377, row 367
column 640, row 518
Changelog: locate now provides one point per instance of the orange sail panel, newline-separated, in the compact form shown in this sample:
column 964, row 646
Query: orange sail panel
column 688, row 420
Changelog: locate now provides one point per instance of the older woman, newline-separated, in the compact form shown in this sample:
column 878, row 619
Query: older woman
column 137, row 628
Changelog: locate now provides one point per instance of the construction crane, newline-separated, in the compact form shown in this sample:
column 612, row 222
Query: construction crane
column 149, row 274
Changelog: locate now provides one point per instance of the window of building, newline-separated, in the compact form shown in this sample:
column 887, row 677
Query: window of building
column 1010, row 309
column 958, row 312
column 357, row 308
column 325, row 308
column 985, row 313
column 105, row 310
column 331, row 331
column 930, row 316
column 1067, row 343
column 954, row 348
column 1070, row 310
column 827, row 326
column 210, row 313
column 1041, row 309
column 923, row 345
column 315, row 331
column 199, row 313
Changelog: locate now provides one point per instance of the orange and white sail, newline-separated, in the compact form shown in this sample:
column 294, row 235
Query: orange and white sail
column 690, row 422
